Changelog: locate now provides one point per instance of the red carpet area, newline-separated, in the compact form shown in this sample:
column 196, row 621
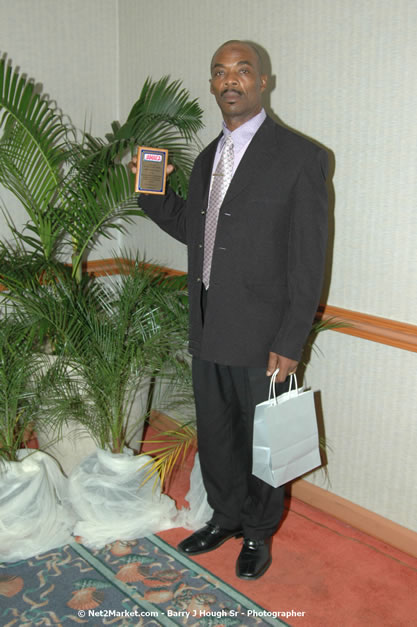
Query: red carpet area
column 324, row 572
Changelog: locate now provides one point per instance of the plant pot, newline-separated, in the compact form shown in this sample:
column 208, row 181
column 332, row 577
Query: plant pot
column 199, row 511
column 34, row 512
column 110, row 502
column 74, row 444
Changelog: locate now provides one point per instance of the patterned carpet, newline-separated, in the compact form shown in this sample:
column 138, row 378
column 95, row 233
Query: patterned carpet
column 142, row 582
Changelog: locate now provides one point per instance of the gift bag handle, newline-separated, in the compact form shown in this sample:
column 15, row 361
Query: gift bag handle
column 293, row 378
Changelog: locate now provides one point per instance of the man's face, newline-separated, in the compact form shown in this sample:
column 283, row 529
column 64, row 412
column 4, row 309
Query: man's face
column 236, row 83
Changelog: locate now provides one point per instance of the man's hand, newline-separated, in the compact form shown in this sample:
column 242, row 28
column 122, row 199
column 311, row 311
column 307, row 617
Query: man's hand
column 133, row 164
column 286, row 366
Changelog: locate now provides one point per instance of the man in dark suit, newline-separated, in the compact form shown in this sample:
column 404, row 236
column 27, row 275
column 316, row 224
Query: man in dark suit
column 255, row 223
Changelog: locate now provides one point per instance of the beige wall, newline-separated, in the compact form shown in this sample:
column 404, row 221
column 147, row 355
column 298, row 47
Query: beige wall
column 343, row 73
column 71, row 48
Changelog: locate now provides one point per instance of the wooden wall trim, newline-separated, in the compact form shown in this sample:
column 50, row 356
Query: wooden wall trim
column 381, row 330
column 101, row 267
column 363, row 519
column 374, row 328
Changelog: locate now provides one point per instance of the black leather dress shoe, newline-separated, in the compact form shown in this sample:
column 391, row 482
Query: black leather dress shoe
column 254, row 559
column 207, row 539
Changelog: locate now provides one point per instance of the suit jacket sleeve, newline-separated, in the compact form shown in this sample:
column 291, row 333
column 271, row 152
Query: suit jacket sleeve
column 168, row 211
column 306, row 256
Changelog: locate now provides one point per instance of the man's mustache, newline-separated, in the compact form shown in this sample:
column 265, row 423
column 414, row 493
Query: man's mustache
column 231, row 91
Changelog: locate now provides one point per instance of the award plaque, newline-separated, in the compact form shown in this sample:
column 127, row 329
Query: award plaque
column 151, row 170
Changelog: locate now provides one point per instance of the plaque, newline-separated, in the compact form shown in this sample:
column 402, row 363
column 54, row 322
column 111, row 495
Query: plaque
column 151, row 170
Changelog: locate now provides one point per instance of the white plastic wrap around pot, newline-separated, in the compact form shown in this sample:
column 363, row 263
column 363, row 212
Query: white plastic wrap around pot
column 110, row 502
column 199, row 511
column 34, row 515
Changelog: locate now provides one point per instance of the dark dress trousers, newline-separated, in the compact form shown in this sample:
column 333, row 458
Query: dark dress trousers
column 265, row 284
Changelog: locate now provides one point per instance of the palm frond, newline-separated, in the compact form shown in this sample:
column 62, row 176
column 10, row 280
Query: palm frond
column 95, row 210
column 33, row 144
column 80, row 188
column 21, row 376
column 329, row 324
column 111, row 338
column 163, row 116
column 175, row 444
column 168, row 101
column 321, row 325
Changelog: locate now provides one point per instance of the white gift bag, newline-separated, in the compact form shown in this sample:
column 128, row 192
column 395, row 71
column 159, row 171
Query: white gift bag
column 285, row 435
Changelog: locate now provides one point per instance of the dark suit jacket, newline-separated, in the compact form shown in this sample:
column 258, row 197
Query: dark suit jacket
column 269, row 253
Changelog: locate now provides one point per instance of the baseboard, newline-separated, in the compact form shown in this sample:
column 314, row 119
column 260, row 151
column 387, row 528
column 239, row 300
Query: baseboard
column 354, row 515
column 374, row 525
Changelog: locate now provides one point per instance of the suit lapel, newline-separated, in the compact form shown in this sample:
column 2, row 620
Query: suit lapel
column 262, row 152
column 259, row 155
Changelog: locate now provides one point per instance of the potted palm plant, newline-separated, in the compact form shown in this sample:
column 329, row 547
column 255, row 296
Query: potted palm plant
column 110, row 340
column 107, row 339
column 74, row 191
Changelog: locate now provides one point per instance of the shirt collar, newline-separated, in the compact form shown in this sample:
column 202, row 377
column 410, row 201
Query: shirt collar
column 244, row 133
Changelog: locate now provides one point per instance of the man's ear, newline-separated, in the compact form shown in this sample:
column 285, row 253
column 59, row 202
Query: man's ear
column 264, row 81
column 211, row 88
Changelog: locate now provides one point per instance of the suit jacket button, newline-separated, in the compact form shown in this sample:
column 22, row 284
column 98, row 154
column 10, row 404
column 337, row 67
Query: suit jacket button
column 198, row 279
column 200, row 245
column 203, row 213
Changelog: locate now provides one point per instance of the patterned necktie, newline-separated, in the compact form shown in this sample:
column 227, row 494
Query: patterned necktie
column 221, row 181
